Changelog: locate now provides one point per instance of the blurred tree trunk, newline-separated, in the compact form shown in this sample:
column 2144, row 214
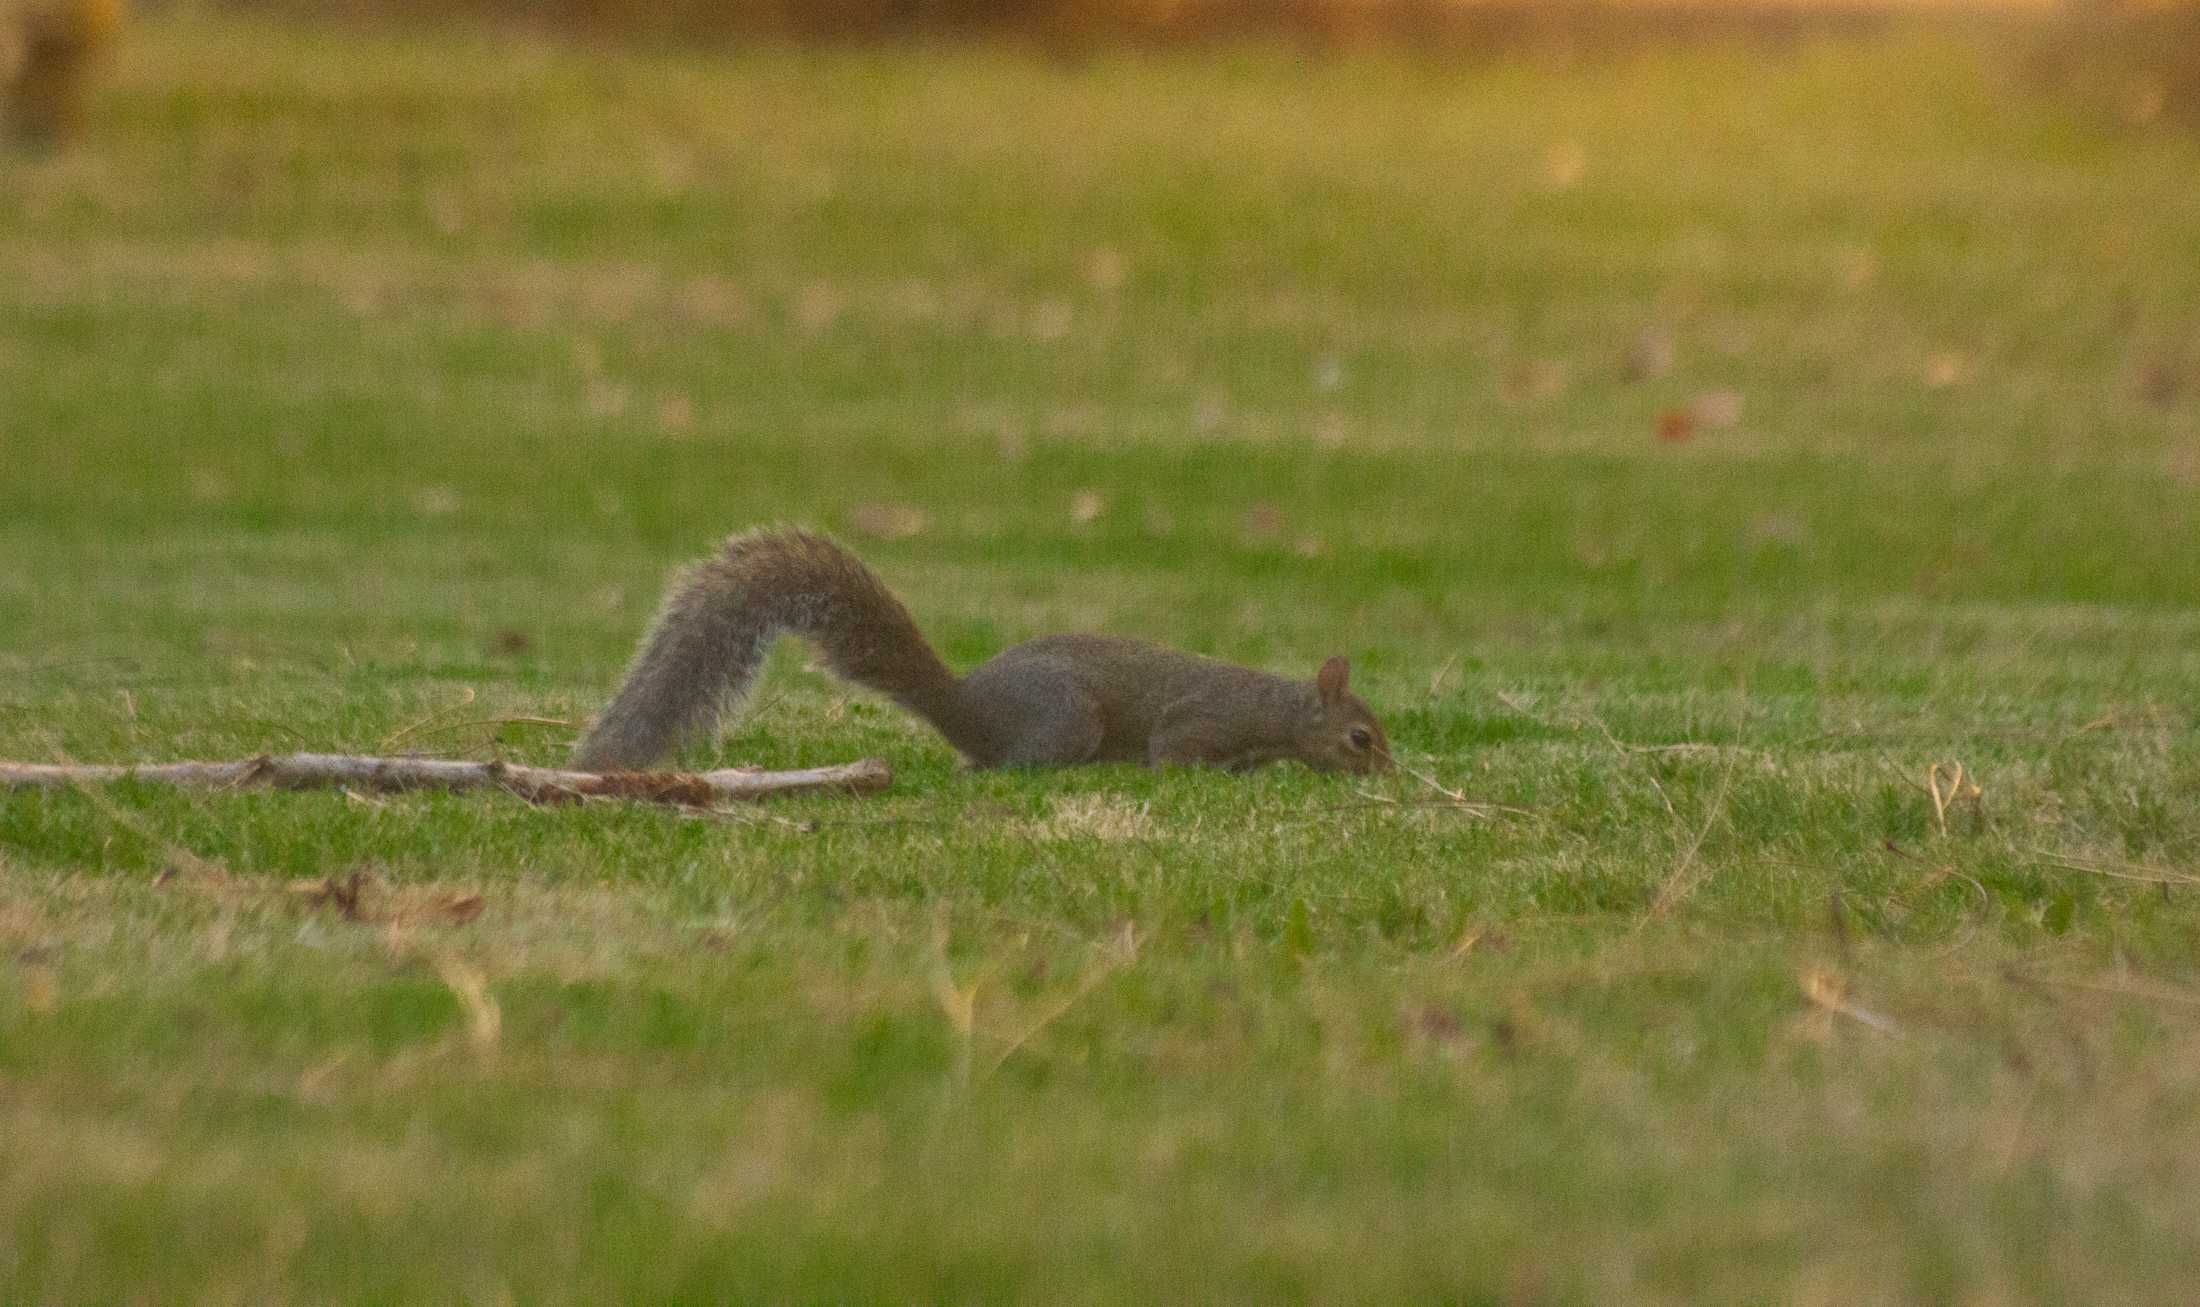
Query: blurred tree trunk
column 47, row 52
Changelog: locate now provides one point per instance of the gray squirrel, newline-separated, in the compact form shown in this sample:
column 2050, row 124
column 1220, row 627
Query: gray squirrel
column 1057, row 701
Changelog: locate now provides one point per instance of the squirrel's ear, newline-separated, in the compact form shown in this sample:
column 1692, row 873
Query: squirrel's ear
column 1331, row 678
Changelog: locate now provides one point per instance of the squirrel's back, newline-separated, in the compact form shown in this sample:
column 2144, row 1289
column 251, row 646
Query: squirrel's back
column 1128, row 686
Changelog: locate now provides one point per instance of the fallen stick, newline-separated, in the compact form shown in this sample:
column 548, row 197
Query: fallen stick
column 307, row 771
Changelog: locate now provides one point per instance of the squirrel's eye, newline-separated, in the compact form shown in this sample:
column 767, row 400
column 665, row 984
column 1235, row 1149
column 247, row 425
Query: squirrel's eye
column 1360, row 737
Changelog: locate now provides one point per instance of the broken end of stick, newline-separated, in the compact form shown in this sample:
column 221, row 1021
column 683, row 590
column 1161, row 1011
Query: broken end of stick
column 863, row 776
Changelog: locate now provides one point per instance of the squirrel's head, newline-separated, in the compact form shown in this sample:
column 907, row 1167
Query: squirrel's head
column 1343, row 734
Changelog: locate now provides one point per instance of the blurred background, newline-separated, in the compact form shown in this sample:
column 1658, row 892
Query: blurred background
column 2140, row 54
column 1231, row 323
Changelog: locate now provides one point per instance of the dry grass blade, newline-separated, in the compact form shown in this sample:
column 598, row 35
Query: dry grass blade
column 2128, row 987
column 176, row 856
column 1829, row 993
column 429, row 722
column 1471, row 807
column 1682, row 880
column 1122, row 953
column 1906, row 900
column 1446, row 797
column 1436, row 682
column 1949, row 786
column 1626, row 751
column 484, row 1020
column 2114, row 870
column 959, row 1004
column 445, row 728
column 1430, row 781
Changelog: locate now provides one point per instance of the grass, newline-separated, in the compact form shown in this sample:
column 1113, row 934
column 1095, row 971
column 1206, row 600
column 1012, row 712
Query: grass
column 354, row 383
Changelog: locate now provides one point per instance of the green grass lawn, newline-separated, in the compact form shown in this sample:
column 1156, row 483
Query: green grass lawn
column 357, row 393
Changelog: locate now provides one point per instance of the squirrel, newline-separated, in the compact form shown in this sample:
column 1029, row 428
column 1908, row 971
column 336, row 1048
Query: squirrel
column 1057, row 701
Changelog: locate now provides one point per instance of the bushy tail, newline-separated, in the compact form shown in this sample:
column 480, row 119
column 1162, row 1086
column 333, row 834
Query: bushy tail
column 721, row 616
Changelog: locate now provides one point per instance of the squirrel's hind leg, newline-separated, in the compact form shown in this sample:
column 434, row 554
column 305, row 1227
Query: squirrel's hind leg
column 1192, row 745
column 1062, row 733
